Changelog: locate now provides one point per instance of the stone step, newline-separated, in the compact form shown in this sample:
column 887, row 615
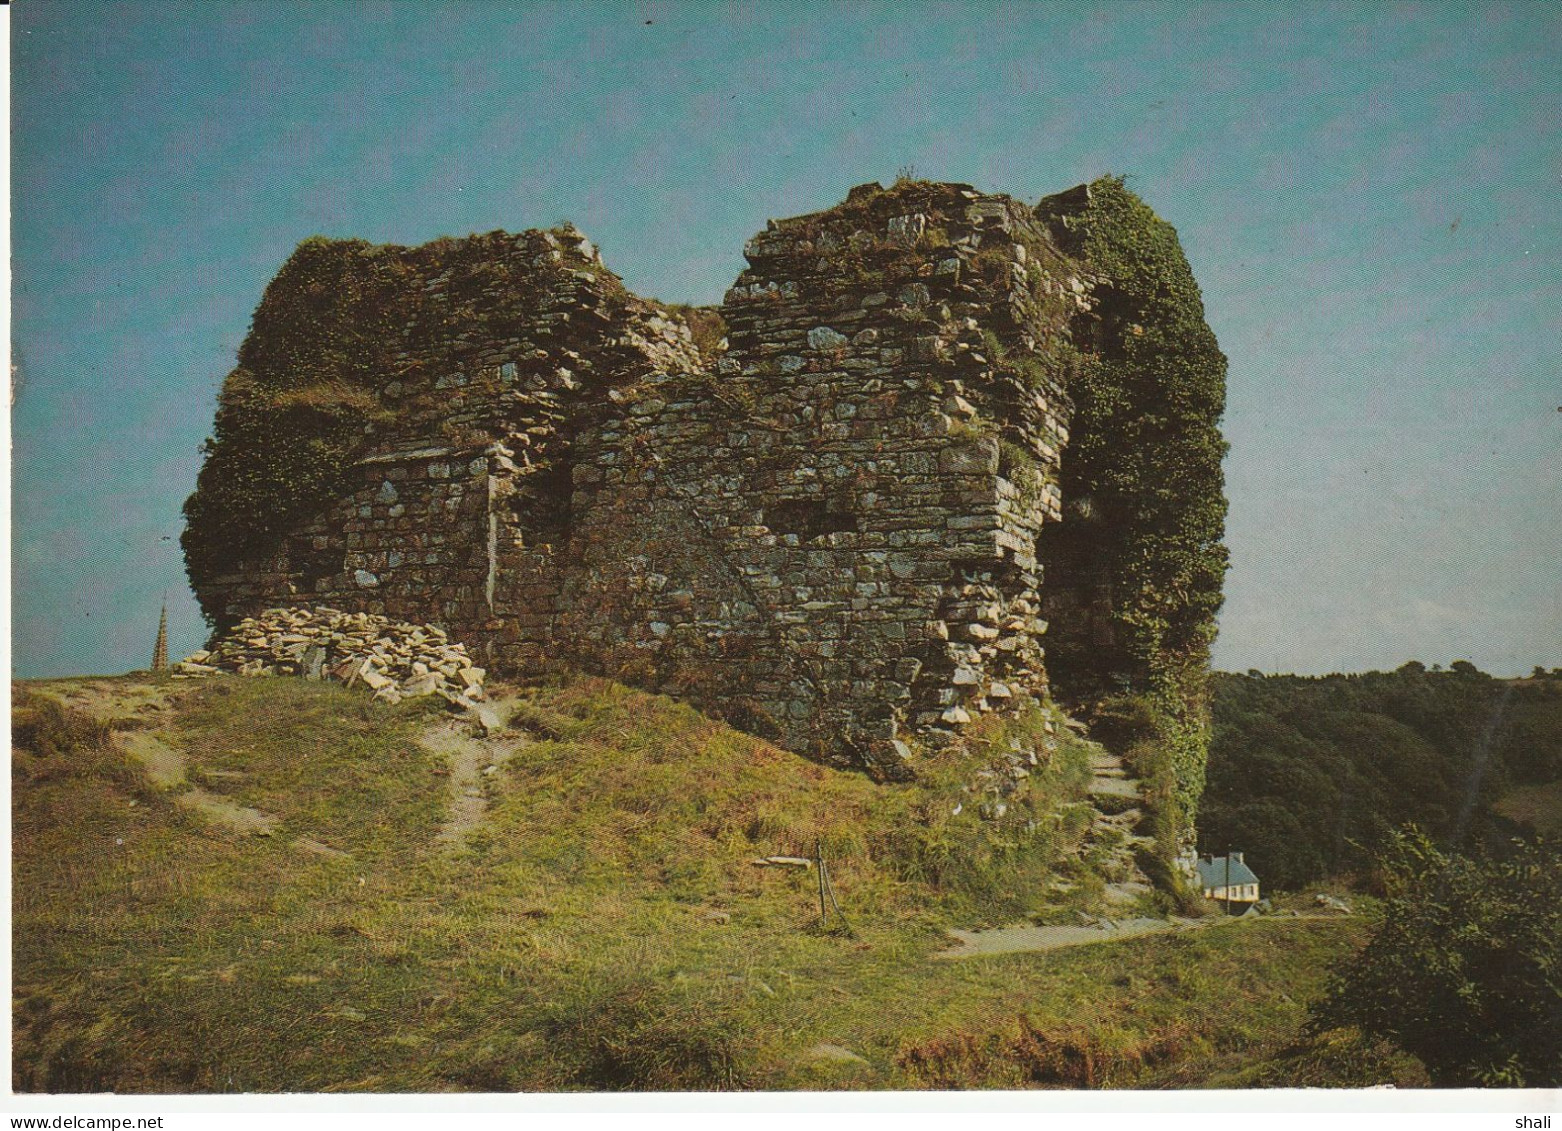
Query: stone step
column 1115, row 787
column 1125, row 892
column 1126, row 819
column 1114, row 803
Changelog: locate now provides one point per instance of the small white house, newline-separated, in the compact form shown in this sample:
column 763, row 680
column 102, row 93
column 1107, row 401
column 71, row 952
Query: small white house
column 1228, row 877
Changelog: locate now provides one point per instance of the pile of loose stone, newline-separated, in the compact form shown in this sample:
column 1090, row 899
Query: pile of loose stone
column 394, row 660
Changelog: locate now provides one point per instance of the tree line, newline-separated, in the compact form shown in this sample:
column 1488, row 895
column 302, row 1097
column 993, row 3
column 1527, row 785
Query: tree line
column 1310, row 775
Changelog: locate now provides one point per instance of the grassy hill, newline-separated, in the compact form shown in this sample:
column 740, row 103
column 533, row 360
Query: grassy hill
column 276, row 885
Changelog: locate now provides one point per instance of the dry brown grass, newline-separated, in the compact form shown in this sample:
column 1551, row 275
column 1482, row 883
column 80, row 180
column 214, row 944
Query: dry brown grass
column 601, row 927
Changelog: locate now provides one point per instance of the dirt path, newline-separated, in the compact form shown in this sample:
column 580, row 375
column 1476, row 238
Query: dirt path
column 1026, row 938
column 467, row 757
column 470, row 758
column 107, row 700
column 164, row 766
column 165, row 769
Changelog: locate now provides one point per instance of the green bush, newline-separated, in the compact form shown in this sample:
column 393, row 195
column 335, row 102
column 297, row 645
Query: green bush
column 706, row 326
column 46, row 729
column 1466, row 970
column 51, row 742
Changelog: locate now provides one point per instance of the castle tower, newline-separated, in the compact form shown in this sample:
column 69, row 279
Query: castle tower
column 160, row 650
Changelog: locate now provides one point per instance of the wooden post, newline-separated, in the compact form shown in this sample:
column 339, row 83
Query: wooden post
column 1228, row 880
column 829, row 886
column 824, row 916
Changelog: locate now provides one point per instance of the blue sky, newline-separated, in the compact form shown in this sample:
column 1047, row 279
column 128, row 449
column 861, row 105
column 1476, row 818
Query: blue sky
column 1371, row 197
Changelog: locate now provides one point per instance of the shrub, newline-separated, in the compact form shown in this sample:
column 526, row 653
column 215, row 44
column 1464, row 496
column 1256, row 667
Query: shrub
column 46, row 729
column 706, row 326
column 1026, row 1055
column 1466, row 970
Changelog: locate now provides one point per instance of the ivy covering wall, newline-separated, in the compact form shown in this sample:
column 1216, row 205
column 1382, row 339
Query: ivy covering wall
column 343, row 345
column 292, row 415
column 1141, row 547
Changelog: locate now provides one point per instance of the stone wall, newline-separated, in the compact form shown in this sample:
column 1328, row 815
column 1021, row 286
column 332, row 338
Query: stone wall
column 826, row 534
column 508, row 344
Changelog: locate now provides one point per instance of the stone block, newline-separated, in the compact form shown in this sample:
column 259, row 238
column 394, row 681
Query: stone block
column 824, row 338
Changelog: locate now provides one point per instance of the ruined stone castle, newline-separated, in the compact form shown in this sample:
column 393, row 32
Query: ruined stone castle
column 820, row 524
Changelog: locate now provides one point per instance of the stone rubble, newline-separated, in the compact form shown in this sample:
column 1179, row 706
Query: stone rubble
column 393, row 659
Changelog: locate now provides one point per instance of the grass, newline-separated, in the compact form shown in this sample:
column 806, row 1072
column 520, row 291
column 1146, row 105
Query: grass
column 706, row 327
column 602, row 929
column 1538, row 806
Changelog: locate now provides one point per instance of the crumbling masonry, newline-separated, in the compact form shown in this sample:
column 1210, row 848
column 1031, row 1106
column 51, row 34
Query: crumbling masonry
column 824, row 532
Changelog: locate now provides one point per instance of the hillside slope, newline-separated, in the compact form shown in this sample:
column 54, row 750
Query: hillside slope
column 270, row 884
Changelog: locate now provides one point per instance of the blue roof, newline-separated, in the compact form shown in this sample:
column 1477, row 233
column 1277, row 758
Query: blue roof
column 1212, row 873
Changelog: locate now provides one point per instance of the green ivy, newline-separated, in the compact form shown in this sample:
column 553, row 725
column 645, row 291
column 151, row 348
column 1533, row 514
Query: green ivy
column 292, row 416
column 1143, row 472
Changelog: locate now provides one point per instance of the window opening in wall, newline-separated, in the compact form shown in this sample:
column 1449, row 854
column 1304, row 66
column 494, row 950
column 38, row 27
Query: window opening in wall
column 314, row 566
column 541, row 502
column 809, row 518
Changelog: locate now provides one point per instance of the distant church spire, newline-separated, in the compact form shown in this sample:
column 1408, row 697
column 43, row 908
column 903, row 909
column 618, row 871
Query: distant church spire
column 160, row 652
